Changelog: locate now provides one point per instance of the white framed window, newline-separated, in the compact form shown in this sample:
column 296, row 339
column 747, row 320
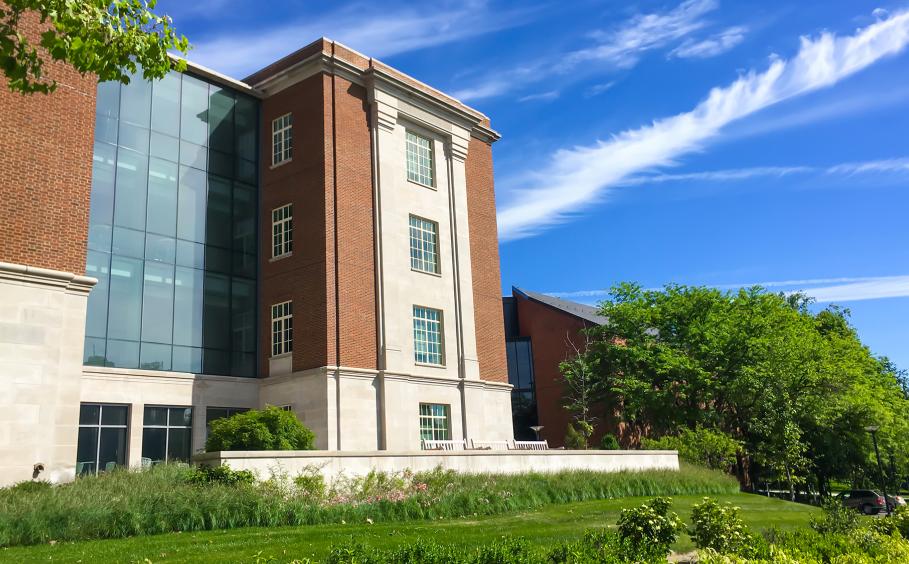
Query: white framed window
column 282, row 231
column 434, row 422
column 427, row 336
column 424, row 245
column 419, row 159
column 282, row 139
column 282, row 328
column 166, row 434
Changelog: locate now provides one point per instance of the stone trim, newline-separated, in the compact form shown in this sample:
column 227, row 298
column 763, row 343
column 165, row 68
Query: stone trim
column 32, row 275
column 253, row 454
column 111, row 373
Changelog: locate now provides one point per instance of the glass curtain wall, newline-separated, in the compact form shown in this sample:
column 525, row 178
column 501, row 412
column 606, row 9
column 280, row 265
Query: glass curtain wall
column 172, row 229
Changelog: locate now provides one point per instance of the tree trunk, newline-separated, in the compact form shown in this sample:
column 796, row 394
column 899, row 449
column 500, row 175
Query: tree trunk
column 789, row 479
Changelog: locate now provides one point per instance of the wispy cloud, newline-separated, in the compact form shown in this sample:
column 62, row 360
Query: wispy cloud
column 724, row 175
column 541, row 97
column 623, row 47
column 620, row 47
column 712, row 46
column 883, row 166
column 580, row 176
column 598, row 89
column 381, row 32
column 823, row 290
column 886, row 165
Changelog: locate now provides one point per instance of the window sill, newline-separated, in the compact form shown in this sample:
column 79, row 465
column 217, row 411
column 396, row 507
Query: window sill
column 280, row 164
column 436, row 274
column 281, row 257
column 430, row 186
column 282, row 355
column 429, row 365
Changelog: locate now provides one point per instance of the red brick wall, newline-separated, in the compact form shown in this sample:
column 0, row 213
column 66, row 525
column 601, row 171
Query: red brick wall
column 300, row 277
column 551, row 331
column 45, row 169
column 484, row 258
column 331, row 137
column 355, row 231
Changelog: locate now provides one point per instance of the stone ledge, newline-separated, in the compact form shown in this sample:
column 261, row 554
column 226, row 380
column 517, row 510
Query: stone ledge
column 33, row 275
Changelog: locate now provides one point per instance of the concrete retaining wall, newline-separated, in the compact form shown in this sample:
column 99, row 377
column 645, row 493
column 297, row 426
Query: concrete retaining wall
column 332, row 464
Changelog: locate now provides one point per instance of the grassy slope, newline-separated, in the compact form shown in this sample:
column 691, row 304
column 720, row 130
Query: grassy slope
column 549, row 525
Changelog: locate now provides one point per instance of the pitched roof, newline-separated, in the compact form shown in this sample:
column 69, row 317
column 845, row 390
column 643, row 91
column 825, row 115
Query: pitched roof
column 582, row 311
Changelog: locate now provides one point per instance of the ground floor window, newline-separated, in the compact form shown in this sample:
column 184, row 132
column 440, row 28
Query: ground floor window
column 434, row 422
column 167, row 434
column 102, row 437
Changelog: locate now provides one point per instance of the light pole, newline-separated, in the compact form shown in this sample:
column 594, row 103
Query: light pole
column 536, row 430
column 880, row 467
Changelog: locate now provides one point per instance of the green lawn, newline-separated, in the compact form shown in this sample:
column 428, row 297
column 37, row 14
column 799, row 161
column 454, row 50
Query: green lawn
column 547, row 526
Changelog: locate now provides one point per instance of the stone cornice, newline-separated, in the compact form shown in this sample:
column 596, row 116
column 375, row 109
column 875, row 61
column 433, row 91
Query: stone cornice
column 32, row 275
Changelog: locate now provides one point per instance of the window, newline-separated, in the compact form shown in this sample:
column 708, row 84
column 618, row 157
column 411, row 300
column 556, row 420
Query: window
column 282, row 139
column 427, row 335
column 434, row 422
column 282, row 231
column 419, row 159
column 424, row 245
column 282, row 328
column 102, row 438
column 167, row 434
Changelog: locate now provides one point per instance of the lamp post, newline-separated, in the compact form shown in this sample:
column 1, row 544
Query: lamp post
column 880, row 467
column 536, row 430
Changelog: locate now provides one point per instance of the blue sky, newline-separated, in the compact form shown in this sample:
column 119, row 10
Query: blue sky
column 698, row 142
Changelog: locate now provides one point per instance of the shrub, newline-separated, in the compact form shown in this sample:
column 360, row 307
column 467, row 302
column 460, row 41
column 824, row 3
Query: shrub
column 609, row 442
column 900, row 519
column 220, row 475
column 271, row 428
column 837, row 518
column 311, row 483
column 649, row 530
column 576, row 435
column 706, row 447
column 718, row 527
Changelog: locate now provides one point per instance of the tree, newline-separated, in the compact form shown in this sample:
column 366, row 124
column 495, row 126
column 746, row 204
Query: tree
column 578, row 377
column 795, row 388
column 110, row 39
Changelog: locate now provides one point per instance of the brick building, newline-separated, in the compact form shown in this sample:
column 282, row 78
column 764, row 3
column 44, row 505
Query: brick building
column 540, row 332
column 320, row 236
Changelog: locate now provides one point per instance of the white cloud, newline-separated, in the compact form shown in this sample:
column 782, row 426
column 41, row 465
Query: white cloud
column 541, row 97
column 378, row 32
column 623, row 46
column 886, row 165
column 598, row 89
column 712, row 46
column 823, row 290
column 871, row 289
column 580, row 176
column 883, row 166
column 617, row 48
column 725, row 175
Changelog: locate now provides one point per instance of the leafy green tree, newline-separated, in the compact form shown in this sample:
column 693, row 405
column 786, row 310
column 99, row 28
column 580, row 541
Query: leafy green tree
column 109, row 39
column 271, row 428
column 794, row 388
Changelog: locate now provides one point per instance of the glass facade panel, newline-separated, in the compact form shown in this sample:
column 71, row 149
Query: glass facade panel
column 131, row 187
column 162, row 197
column 194, row 111
column 172, row 235
column 166, row 105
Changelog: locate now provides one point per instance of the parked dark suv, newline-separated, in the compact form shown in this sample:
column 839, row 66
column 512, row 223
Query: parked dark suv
column 868, row 502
